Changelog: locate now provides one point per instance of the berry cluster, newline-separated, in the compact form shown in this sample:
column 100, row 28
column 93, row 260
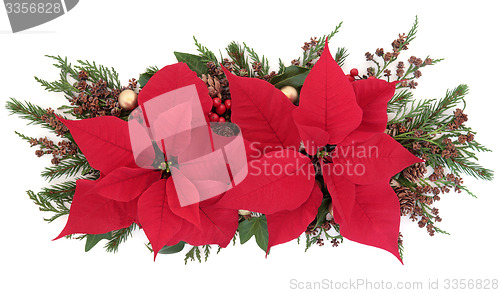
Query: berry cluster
column 219, row 108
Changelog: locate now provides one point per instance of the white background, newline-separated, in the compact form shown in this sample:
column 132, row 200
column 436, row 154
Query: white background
column 131, row 35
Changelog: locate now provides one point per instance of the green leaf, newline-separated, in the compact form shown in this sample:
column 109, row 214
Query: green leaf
column 292, row 76
column 93, row 239
column 256, row 226
column 322, row 212
column 194, row 62
column 172, row 249
column 144, row 78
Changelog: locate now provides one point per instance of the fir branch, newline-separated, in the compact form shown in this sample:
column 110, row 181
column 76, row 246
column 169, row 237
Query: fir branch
column 466, row 166
column 341, row 56
column 412, row 68
column 193, row 254
column 409, row 37
column 434, row 115
column 97, row 72
column 63, row 191
column 256, row 59
column 64, row 84
column 237, row 53
column 58, row 207
column 29, row 111
column 151, row 70
column 68, row 166
column 118, row 237
column 312, row 53
column 282, row 67
column 206, row 54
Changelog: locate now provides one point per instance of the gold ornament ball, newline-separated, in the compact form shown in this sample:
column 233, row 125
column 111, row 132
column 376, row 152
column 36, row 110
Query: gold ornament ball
column 244, row 212
column 291, row 93
column 127, row 99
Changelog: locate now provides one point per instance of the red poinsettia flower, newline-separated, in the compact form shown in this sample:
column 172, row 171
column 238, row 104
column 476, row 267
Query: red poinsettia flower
column 126, row 193
column 333, row 112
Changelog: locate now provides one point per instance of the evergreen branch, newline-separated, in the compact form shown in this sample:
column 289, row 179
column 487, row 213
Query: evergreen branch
column 237, row 53
column 118, row 237
column 256, row 59
column 28, row 111
column 98, row 72
column 341, row 56
column 193, row 254
column 62, row 191
column 69, row 166
column 57, row 207
column 206, row 54
column 63, row 84
column 433, row 115
column 312, row 53
column 282, row 67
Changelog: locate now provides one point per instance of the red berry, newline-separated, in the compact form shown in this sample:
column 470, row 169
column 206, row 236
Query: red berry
column 220, row 109
column 371, row 77
column 213, row 117
column 228, row 104
column 354, row 72
column 350, row 77
column 217, row 102
column 222, row 119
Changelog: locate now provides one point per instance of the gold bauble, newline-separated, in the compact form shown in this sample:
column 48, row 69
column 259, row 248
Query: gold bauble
column 127, row 99
column 291, row 93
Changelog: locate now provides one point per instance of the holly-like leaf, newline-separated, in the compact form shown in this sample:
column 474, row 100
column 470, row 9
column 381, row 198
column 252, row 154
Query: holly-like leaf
column 93, row 239
column 280, row 180
column 368, row 214
column 327, row 105
column 172, row 249
column 194, row 62
column 91, row 213
column 255, row 226
column 263, row 113
column 104, row 141
column 292, row 76
column 288, row 225
column 144, row 78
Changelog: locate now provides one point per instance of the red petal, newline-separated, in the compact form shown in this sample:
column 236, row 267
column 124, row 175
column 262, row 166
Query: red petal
column 91, row 213
column 125, row 184
column 104, row 141
column 372, row 96
column 280, row 180
column 288, row 225
column 327, row 101
column 263, row 113
column 217, row 227
column 191, row 212
column 155, row 216
column 172, row 77
column 163, row 227
column 370, row 213
column 378, row 158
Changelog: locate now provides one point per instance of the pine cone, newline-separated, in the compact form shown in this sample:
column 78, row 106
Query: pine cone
column 407, row 200
column 415, row 172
